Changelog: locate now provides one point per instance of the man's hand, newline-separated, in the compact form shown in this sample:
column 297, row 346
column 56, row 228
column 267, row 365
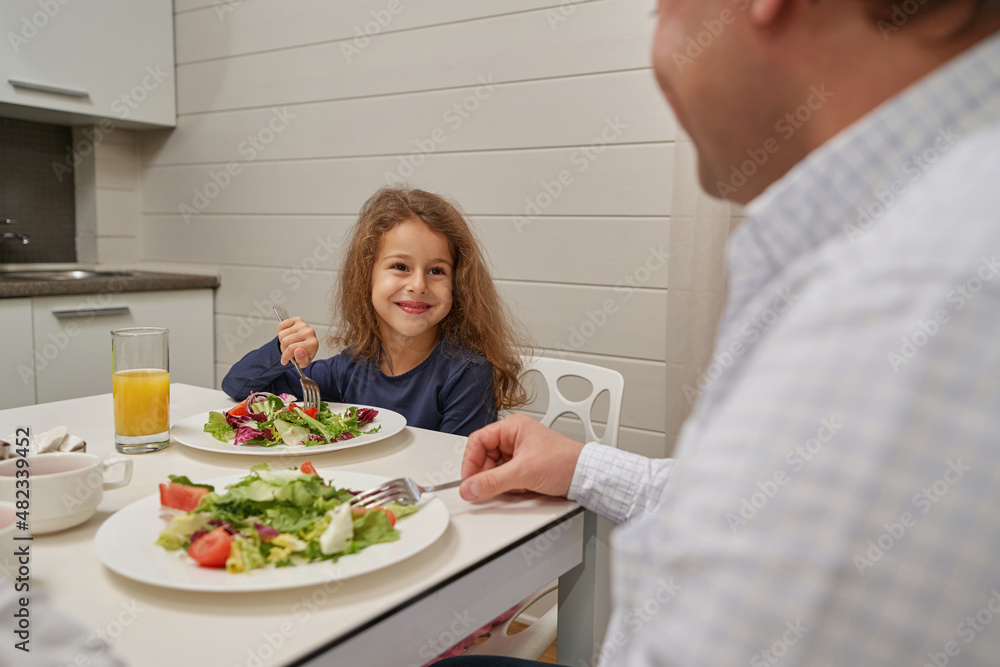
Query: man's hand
column 298, row 341
column 518, row 453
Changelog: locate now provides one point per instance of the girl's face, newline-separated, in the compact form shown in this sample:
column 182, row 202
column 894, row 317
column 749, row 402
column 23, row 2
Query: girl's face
column 412, row 281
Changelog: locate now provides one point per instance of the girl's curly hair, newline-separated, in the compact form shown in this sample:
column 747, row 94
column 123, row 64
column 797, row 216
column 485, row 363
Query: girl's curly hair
column 478, row 319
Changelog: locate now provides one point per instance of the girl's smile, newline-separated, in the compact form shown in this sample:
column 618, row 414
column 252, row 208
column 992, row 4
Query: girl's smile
column 412, row 284
column 414, row 307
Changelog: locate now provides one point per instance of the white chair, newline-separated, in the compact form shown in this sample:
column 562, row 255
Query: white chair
column 532, row 642
column 601, row 379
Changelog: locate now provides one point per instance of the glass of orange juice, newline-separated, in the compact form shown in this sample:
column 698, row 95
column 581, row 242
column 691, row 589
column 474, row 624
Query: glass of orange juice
column 140, row 384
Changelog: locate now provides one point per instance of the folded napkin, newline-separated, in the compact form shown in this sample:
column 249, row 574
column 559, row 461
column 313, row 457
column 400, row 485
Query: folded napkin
column 57, row 439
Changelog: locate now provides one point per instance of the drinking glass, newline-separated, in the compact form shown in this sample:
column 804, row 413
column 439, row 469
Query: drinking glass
column 140, row 384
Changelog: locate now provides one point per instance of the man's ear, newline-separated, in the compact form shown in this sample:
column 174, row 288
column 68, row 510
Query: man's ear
column 765, row 12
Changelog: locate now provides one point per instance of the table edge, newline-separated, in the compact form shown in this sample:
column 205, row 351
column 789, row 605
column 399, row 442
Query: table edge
column 317, row 652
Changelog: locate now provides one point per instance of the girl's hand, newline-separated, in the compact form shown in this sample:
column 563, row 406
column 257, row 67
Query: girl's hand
column 298, row 341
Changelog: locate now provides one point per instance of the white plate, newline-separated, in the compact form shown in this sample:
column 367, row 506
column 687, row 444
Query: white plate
column 126, row 544
column 191, row 432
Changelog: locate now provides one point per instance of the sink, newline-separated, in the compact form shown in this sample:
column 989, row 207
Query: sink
column 76, row 274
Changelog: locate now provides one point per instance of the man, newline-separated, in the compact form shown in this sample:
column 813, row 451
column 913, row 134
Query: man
column 836, row 493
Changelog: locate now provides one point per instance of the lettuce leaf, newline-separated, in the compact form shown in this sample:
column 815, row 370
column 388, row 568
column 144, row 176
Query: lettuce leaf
column 218, row 427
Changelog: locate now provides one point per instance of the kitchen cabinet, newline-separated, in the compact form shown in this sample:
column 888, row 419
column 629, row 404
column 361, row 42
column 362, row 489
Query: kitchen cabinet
column 74, row 62
column 18, row 385
column 71, row 341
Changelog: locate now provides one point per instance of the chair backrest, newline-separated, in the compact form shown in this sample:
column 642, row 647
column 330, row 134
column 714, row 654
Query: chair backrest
column 601, row 379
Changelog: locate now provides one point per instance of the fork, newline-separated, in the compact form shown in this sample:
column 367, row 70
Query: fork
column 310, row 390
column 402, row 490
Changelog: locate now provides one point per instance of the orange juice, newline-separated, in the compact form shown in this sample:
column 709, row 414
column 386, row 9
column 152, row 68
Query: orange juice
column 142, row 401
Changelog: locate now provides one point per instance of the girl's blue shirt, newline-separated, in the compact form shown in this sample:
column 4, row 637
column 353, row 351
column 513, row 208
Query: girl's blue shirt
column 451, row 391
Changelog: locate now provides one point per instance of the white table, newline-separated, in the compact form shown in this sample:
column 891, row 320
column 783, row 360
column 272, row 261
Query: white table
column 492, row 555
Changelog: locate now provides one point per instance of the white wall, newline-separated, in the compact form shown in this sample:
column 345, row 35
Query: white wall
column 107, row 195
column 309, row 119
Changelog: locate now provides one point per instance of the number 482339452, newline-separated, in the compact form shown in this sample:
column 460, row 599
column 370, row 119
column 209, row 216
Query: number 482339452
column 22, row 474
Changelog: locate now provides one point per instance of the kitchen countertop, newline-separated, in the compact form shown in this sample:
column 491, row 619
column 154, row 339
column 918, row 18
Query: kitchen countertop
column 134, row 281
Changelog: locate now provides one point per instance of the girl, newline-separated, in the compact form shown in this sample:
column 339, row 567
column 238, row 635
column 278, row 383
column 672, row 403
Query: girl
column 425, row 332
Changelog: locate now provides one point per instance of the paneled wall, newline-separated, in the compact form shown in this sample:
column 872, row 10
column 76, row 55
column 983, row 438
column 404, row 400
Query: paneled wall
column 106, row 175
column 540, row 117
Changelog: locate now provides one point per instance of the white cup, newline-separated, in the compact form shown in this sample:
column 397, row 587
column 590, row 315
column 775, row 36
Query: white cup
column 62, row 490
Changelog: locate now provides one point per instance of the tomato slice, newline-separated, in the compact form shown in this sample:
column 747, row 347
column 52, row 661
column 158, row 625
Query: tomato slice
column 238, row 410
column 312, row 412
column 212, row 548
column 308, row 469
column 181, row 496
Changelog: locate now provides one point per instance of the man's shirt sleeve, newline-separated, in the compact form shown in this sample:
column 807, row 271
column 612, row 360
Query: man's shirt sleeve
column 618, row 485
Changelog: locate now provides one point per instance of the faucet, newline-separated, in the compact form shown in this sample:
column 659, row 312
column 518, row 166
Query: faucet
column 13, row 236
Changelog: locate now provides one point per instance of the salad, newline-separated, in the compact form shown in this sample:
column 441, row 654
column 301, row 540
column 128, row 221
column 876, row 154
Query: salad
column 267, row 420
column 280, row 517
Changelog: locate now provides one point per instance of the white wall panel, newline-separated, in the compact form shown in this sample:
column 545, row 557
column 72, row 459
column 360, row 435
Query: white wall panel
column 596, row 320
column 289, row 242
column 587, row 251
column 246, row 291
column 562, row 250
column 226, row 27
column 553, row 112
column 599, row 37
column 621, row 180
